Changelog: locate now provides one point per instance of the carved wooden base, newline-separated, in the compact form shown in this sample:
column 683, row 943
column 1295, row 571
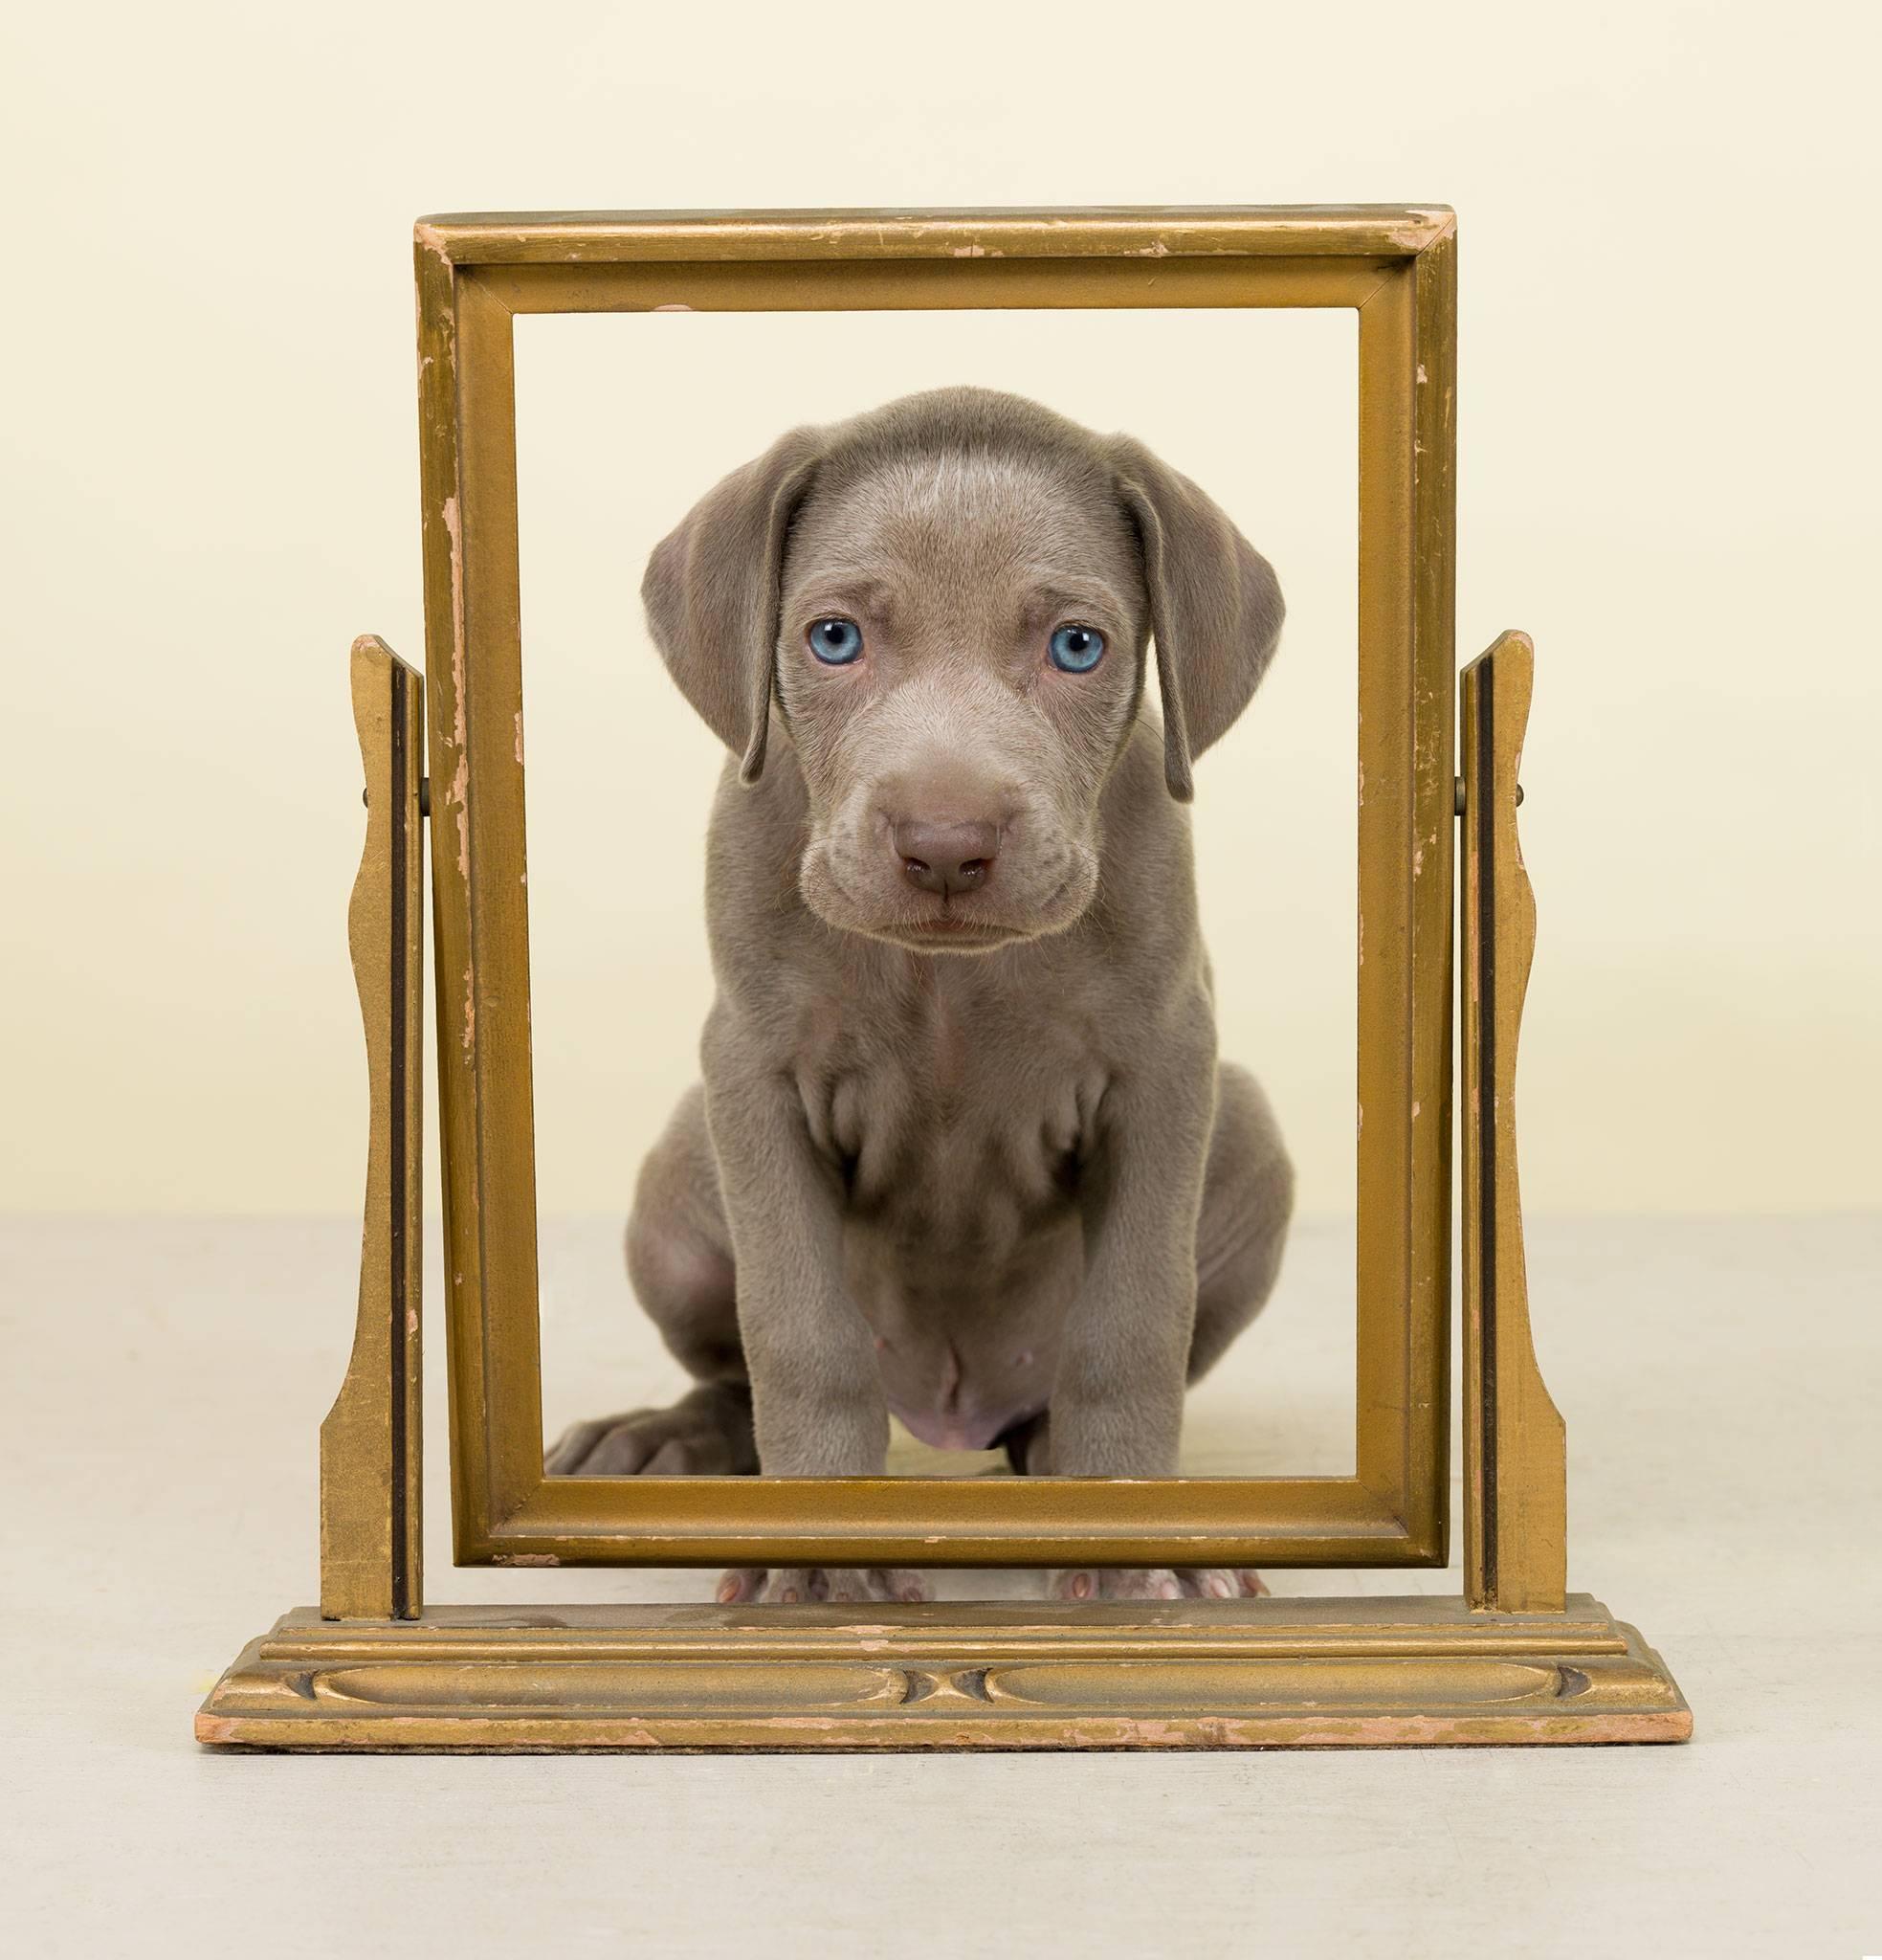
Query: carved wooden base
column 1274, row 1673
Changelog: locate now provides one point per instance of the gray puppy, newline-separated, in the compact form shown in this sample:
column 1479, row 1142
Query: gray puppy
column 963, row 1150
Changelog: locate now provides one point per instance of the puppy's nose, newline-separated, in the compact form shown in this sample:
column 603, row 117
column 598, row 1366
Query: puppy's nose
column 946, row 858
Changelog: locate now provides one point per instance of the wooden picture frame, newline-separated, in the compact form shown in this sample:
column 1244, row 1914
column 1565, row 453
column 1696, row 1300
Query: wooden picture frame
column 1396, row 270
column 1516, row 1658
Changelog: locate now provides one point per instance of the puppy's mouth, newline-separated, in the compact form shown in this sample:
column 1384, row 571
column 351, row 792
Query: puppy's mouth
column 967, row 923
column 950, row 930
column 946, row 928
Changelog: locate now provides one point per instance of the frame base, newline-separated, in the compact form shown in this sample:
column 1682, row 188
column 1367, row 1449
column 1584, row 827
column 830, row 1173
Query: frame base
column 1269, row 1674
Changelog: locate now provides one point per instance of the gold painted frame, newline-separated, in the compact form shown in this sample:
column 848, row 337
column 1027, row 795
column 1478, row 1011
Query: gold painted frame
column 1397, row 268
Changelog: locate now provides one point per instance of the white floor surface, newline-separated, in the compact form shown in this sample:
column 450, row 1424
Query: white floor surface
column 163, row 1385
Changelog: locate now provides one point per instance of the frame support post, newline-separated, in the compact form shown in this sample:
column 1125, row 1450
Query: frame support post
column 1514, row 1445
column 370, row 1495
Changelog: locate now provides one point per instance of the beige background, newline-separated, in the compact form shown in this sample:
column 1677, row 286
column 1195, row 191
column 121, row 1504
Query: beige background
column 1668, row 445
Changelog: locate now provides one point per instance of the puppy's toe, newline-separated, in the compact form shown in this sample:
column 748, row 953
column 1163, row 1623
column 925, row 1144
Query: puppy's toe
column 844, row 1586
column 904, row 1587
column 1154, row 1582
column 1084, row 1583
column 680, row 1441
column 847, row 1585
column 823, row 1585
column 1219, row 1582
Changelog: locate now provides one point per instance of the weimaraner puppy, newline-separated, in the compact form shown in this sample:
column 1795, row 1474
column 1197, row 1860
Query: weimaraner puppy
column 962, row 1151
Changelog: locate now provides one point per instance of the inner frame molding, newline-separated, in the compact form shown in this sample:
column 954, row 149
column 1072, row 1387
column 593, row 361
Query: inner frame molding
column 1397, row 268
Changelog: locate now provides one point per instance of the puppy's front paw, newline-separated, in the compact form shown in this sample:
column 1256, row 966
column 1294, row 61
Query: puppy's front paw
column 1086, row 1583
column 1219, row 1582
column 822, row 1585
column 1083, row 1584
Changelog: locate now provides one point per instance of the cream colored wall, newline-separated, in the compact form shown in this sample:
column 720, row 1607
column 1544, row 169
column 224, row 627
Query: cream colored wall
column 1667, row 453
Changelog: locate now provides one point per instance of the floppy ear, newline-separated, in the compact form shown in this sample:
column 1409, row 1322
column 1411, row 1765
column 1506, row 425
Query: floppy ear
column 1215, row 607
column 711, row 593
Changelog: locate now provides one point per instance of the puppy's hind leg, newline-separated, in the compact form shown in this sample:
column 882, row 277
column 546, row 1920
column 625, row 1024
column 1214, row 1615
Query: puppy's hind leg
column 679, row 1259
column 1248, row 1198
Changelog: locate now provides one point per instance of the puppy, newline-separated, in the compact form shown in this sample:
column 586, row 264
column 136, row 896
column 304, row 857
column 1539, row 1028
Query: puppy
column 962, row 1151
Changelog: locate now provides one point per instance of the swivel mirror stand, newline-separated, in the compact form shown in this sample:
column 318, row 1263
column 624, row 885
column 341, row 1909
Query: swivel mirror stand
column 1516, row 1658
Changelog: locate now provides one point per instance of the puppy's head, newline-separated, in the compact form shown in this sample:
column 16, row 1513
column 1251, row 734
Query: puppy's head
column 949, row 603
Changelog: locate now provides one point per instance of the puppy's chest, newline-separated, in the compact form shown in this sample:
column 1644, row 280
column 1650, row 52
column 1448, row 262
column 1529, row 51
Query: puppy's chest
column 952, row 1117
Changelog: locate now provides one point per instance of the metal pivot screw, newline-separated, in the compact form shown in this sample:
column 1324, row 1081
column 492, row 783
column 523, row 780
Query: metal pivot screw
column 1458, row 796
column 425, row 796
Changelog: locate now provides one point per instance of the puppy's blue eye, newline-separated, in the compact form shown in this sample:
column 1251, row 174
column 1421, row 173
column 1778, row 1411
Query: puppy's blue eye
column 836, row 642
column 1076, row 649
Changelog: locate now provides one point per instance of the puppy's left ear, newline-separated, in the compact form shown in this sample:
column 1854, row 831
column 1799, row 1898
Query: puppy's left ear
column 713, row 591
column 1215, row 606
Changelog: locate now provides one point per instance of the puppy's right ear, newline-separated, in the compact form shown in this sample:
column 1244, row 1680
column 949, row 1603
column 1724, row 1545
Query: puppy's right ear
column 713, row 591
